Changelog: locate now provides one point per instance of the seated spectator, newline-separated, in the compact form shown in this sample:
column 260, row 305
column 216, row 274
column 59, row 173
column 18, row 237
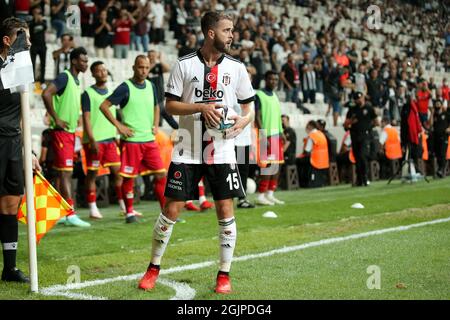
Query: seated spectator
column 62, row 55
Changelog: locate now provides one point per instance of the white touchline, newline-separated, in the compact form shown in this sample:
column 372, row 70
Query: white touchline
column 184, row 292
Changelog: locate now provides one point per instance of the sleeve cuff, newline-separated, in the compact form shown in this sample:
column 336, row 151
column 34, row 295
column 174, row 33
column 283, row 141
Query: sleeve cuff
column 248, row 100
column 172, row 96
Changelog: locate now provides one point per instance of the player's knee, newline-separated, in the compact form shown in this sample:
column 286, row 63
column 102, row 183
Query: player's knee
column 171, row 211
column 9, row 205
column 224, row 209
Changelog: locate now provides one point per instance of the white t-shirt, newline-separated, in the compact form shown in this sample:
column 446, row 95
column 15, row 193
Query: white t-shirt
column 158, row 13
column 310, row 142
column 192, row 81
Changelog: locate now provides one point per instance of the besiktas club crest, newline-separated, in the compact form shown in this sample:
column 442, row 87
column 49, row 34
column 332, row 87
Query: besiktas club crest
column 226, row 79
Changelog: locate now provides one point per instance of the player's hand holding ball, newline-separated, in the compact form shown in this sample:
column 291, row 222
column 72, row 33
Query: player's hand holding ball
column 236, row 129
column 211, row 114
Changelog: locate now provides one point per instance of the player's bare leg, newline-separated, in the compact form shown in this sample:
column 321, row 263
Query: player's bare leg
column 227, row 243
column 161, row 236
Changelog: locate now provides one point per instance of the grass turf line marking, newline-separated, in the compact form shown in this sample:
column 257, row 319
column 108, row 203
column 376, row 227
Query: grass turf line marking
column 64, row 290
column 182, row 290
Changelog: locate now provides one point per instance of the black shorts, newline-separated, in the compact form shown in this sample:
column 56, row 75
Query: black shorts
column 183, row 179
column 11, row 166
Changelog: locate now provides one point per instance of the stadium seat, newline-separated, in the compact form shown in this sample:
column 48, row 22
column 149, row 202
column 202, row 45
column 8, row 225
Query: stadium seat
column 333, row 174
column 422, row 167
column 289, row 179
column 374, row 170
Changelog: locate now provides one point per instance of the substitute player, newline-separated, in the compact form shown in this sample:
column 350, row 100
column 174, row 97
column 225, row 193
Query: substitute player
column 268, row 121
column 62, row 99
column 140, row 115
column 199, row 83
column 99, row 138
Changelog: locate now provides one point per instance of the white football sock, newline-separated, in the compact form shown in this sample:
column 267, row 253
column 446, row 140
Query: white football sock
column 270, row 193
column 161, row 235
column 122, row 205
column 201, row 199
column 261, row 196
column 227, row 242
column 93, row 208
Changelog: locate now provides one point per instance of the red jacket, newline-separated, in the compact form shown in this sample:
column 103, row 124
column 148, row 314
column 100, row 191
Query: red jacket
column 446, row 93
column 423, row 99
column 414, row 125
column 122, row 31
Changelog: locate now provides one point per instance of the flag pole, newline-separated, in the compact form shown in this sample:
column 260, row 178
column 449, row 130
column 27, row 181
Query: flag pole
column 31, row 214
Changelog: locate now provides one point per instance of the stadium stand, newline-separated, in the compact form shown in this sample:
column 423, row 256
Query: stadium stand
column 412, row 37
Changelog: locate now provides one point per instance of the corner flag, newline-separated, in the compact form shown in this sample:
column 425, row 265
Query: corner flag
column 49, row 204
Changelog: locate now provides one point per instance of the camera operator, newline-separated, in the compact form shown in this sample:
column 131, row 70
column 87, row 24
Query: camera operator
column 440, row 129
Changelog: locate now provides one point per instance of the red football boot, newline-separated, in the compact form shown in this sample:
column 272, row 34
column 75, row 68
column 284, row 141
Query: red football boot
column 190, row 206
column 149, row 279
column 206, row 205
column 223, row 284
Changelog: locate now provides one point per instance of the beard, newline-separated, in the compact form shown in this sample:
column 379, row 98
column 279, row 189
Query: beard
column 221, row 46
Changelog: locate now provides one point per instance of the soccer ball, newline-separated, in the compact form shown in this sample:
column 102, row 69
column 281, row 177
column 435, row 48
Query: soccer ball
column 251, row 186
column 225, row 121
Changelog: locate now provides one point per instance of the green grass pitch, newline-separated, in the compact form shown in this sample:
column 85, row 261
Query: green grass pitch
column 410, row 264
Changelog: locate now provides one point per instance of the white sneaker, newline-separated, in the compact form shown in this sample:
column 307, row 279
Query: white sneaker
column 263, row 201
column 136, row 213
column 95, row 214
column 274, row 200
